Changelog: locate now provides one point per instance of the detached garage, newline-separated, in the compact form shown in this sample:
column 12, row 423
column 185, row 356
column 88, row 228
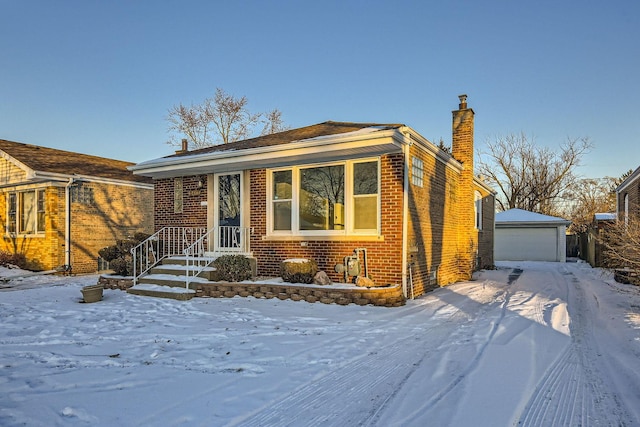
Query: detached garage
column 528, row 236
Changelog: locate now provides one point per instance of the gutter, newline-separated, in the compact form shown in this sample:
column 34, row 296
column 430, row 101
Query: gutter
column 405, row 212
column 67, row 224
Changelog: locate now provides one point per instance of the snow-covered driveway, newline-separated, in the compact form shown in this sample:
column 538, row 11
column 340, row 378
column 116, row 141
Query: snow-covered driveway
column 528, row 344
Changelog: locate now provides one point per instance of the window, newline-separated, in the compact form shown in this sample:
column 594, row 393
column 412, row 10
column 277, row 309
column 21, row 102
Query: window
column 478, row 210
column 417, row 171
column 26, row 212
column 81, row 194
column 177, row 195
column 281, row 203
column 337, row 198
column 365, row 196
column 322, row 198
column 626, row 209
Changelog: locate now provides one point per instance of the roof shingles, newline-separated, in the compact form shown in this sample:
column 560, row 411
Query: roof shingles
column 44, row 159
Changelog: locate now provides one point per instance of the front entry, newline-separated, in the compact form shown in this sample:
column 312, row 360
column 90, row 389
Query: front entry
column 227, row 211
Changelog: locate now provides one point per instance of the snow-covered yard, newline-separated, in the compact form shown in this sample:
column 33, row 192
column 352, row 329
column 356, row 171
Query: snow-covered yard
column 536, row 344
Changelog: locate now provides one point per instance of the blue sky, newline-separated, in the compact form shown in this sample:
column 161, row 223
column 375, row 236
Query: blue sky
column 98, row 77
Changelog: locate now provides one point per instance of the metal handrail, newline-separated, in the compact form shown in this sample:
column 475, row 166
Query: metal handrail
column 223, row 240
column 166, row 242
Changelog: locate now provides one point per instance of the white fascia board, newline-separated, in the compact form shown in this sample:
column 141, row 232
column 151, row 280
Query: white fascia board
column 17, row 162
column 624, row 184
column 429, row 147
column 479, row 182
column 311, row 150
column 64, row 179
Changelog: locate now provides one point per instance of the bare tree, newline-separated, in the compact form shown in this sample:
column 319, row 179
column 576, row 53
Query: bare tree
column 218, row 120
column 588, row 197
column 273, row 122
column 621, row 242
column 528, row 176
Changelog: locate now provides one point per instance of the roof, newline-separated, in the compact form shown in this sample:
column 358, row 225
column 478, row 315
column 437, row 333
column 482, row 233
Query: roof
column 51, row 160
column 293, row 135
column 630, row 179
column 522, row 217
column 605, row 216
column 317, row 143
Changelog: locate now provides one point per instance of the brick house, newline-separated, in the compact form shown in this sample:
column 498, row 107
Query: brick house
column 60, row 208
column 328, row 190
column 628, row 197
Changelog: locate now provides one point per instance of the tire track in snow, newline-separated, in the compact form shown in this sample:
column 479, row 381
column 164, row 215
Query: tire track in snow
column 370, row 382
column 572, row 392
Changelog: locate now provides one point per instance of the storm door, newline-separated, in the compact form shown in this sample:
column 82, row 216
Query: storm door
column 227, row 214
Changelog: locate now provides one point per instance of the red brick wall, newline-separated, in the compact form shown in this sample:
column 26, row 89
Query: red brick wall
column 194, row 213
column 384, row 259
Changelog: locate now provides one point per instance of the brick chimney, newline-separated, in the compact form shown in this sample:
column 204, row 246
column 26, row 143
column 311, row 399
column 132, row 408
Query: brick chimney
column 462, row 142
column 462, row 151
column 184, row 148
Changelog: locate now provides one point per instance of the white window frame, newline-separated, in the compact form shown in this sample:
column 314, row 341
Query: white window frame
column 477, row 210
column 417, row 171
column 626, row 209
column 349, row 198
column 39, row 229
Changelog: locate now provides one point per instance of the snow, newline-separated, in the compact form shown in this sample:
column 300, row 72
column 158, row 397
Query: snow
column 530, row 343
column 171, row 289
column 522, row 216
column 605, row 216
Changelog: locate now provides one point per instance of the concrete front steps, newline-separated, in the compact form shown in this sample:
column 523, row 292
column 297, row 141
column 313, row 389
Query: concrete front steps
column 168, row 280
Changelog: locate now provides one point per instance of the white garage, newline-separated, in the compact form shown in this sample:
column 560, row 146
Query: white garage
column 528, row 236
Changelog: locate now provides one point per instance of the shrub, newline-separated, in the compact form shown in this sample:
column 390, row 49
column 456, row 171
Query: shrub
column 298, row 270
column 12, row 260
column 119, row 255
column 232, row 268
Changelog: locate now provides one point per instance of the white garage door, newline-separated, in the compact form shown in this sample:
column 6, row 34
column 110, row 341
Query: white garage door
column 528, row 244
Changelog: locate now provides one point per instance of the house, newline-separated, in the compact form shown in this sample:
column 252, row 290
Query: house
column 380, row 196
column 522, row 235
column 628, row 197
column 60, row 208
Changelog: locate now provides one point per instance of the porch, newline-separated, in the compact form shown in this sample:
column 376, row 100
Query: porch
column 195, row 247
column 176, row 262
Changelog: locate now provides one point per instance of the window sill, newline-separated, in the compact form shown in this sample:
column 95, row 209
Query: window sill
column 24, row 236
column 335, row 238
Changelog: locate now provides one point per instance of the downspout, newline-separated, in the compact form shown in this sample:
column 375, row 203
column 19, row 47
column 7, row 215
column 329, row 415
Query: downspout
column 67, row 225
column 405, row 212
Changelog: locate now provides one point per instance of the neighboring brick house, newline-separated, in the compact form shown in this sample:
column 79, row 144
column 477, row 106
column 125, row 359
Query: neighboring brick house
column 324, row 190
column 60, row 208
column 628, row 197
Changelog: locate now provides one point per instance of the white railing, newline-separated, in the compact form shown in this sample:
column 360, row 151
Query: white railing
column 168, row 241
column 218, row 241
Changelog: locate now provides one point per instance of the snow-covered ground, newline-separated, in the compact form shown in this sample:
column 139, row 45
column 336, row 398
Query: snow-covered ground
column 536, row 344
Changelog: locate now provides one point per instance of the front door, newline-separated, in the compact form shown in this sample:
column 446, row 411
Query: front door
column 227, row 213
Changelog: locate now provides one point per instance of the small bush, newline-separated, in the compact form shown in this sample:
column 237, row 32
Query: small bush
column 298, row 272
column 119, row 255
column 233, row 268
column 12, row 260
